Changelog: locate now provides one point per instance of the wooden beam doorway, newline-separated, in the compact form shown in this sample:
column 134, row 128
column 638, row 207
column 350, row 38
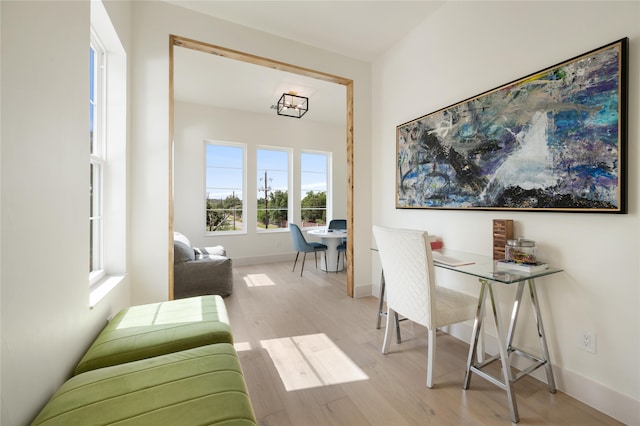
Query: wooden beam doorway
column 270, row 63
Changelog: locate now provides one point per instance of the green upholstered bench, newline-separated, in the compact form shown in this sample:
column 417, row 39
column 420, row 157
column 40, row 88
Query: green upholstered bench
column 198, row 386
column 150, row 330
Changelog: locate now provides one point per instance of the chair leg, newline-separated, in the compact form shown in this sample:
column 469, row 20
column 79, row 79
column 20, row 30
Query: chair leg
column 431, row 352
column 397, row 318
column 295, row 261
column 380, row 301
column 344, row 257
column 303, row 259
column 388, row 331
column 326, row 267
column 315, row 255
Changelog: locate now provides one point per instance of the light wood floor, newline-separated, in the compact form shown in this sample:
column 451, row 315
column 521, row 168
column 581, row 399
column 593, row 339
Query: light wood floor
column 311, row 356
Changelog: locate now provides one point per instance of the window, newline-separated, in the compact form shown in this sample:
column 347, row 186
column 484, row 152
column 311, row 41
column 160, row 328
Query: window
column 97, row 159
column 224, row 201
column 107, row 156
column 313, row 188
column 273, row 189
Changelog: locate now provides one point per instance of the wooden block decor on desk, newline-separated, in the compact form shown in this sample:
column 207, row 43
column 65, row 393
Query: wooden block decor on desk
column 502, row 231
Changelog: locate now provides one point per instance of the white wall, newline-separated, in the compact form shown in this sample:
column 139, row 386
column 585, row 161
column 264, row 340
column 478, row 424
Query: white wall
column 46, row 320
column 195, row 123
column 465, row 49
column 154, row 22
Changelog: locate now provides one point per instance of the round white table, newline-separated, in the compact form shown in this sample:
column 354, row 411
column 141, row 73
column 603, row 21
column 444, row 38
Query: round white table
column 332, row 239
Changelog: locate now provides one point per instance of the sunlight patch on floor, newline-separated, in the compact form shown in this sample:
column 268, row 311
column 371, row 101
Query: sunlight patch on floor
column 258, row 280
column 242, row 346
column 311, row 361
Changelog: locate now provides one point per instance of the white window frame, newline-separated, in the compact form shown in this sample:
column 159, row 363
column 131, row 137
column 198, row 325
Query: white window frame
column 289, row 153
column 329, row 193
column 243, row 147
column 97, row 161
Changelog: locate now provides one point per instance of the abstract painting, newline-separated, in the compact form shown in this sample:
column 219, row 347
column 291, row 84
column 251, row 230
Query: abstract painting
column 552, row 141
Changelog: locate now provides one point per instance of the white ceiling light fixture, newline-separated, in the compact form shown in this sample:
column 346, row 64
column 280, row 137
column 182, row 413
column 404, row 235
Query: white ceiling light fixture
column 292, row 105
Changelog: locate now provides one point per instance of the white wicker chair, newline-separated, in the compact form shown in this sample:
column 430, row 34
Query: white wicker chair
column 411, row 290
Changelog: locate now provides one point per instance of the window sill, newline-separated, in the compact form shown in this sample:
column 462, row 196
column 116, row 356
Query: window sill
column 98, row 291
column 271, row 231
column 225, row 233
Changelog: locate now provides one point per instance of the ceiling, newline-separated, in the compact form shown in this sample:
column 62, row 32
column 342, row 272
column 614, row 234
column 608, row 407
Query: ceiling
column 204, row 79
column 360, row 30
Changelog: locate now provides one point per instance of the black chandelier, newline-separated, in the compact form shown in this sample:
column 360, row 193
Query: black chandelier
column 292, row 105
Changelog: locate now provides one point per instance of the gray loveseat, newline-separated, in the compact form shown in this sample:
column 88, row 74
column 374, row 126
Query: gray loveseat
column 200, row 271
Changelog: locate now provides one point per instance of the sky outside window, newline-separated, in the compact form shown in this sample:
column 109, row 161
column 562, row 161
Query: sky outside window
column 224, row 171
column 313, row 173
column 276, row 164
column 92, row 97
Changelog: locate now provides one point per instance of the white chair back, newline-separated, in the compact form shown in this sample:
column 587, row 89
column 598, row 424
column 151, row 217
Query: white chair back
column 408, row 271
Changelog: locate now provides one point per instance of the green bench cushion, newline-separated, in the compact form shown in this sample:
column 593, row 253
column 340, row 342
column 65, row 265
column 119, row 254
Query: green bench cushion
column 200, row 386
column 156, row 329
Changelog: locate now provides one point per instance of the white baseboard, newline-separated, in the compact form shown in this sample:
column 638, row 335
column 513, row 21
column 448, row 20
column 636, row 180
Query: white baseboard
column 256, row 260
column 612, row 403
column 361, row 291
column 604, row 399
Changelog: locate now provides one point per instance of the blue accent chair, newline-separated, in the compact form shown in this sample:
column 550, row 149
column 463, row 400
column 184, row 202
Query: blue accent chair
column 338, row 224
column 342, row 248
column 300, row 244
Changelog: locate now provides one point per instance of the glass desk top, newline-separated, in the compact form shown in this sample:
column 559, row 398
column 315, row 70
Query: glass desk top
column 485, row 267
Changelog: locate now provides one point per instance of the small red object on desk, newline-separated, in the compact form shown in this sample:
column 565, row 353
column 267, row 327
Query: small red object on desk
column 436, row 245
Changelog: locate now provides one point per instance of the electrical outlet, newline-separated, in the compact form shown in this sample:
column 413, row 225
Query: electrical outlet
column 587, row 341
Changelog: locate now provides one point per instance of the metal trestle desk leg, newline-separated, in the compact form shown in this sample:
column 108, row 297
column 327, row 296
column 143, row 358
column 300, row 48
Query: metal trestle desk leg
column 505, row 344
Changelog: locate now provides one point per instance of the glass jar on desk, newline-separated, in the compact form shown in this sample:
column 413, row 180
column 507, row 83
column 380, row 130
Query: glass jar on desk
column 521, row 251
